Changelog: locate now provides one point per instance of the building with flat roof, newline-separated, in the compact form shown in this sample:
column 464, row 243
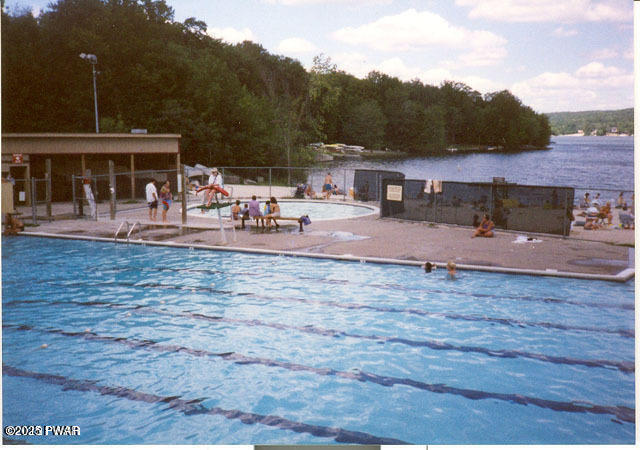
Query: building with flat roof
column 27, row 155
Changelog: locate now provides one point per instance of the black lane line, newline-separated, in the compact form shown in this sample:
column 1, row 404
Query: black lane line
column 473, row 318
column 623, row 413
column 623, row 366
column 529, row 298
column 194, row 407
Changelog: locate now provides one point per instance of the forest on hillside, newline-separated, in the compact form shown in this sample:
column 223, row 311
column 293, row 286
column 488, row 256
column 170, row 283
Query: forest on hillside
column 602, row 122
column 232, row 104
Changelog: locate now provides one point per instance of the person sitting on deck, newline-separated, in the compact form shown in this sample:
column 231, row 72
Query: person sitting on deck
column 274, row 212
column 586, row 201
column 620, row 201
column 235, row 211
column 244, row 212
column 486, row 228
column 300, row 191
column 12, row 225
column 591, row 224
column 626, row 218
column 254, row 210
column 605, row 213
column 309, row 192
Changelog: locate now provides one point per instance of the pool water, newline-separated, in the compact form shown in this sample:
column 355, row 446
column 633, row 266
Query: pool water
column 316, row 210
column 147, row 345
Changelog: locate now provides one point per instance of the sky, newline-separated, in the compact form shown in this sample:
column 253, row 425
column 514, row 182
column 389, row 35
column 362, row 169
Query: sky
column 554, row 55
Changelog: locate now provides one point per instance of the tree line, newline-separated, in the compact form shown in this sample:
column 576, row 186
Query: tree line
column 602, row 122
column 232, row 104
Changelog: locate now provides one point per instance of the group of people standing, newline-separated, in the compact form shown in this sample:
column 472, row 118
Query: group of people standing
column 153, row 198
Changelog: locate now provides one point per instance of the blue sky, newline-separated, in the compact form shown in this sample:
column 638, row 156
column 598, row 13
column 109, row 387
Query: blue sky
column 555, row 55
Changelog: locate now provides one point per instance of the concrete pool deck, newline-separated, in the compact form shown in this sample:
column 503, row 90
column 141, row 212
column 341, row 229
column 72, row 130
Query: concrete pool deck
column 605, row 252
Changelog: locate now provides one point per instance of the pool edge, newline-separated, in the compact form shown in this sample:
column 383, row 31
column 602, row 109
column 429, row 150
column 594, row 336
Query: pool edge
column 621, row 277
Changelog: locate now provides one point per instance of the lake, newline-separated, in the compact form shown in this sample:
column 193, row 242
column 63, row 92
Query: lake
column 596, row 163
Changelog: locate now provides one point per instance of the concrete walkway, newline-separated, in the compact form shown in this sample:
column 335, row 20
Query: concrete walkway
column 605, row 252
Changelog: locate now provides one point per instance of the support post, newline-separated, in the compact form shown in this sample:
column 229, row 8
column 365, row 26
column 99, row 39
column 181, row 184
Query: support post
column 344, row 185
column 47, row 164
column 133, row 177
column 28, row 184
column 112, row 190
column 73, row 195
column 184, row 194
column 34, row 211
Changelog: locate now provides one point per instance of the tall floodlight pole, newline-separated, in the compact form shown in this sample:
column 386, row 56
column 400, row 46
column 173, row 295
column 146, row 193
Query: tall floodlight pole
column 93, row 59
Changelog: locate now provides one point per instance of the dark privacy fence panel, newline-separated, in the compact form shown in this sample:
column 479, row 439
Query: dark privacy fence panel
column 540, row 209
column 367, row 184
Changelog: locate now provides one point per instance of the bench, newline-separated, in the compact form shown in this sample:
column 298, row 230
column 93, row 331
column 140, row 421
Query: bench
column 275, row 219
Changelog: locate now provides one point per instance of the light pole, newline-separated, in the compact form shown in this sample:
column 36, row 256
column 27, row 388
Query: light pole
column 93, row 59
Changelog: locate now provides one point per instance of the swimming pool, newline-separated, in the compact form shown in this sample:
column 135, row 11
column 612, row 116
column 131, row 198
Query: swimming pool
column 142, row 345
column 316, row 210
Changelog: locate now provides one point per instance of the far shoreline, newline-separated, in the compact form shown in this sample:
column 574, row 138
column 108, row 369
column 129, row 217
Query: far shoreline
column 588, row 135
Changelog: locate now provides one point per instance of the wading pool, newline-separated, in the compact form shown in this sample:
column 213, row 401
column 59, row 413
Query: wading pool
column 147, row 345
column 316, row 210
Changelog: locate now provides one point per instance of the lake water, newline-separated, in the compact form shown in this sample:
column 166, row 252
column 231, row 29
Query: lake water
column 586, row 163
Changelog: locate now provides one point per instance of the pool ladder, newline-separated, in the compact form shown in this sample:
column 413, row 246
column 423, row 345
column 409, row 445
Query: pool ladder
column 129, row 230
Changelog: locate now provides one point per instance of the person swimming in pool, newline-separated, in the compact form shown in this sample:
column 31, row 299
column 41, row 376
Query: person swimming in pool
column 451, row 270
column 429, row 266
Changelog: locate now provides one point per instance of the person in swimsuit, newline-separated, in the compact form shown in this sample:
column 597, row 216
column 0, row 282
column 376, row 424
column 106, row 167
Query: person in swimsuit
column 451, row 270
column 274, row 212
column 485, row 229
column 165, row 199
column 327, row 187
column 235, row 211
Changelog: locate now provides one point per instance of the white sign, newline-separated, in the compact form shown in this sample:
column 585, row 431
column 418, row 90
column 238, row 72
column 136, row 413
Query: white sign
column 394, row 193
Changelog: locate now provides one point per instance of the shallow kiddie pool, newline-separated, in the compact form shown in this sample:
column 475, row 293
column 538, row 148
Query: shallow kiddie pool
column 145, row 345
column 316, row 210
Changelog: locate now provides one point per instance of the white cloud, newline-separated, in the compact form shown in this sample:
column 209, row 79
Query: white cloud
column 296, row 45
column 604, row 53
column 597, row 70
column 566, row 11
column 564, row 32
column 628, row 54
column 231, row 35
column 412, row 30
column 592, row 86
column 357, row 65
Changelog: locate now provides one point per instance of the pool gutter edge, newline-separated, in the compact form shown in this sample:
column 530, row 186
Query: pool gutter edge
column 622, row 276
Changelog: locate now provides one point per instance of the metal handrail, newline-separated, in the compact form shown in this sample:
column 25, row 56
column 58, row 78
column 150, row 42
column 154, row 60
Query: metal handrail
column 115, row 236
column 132, row 228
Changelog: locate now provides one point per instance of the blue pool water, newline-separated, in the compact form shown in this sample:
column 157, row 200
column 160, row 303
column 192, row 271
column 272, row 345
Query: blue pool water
column 145, row 344
column 316, row 210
